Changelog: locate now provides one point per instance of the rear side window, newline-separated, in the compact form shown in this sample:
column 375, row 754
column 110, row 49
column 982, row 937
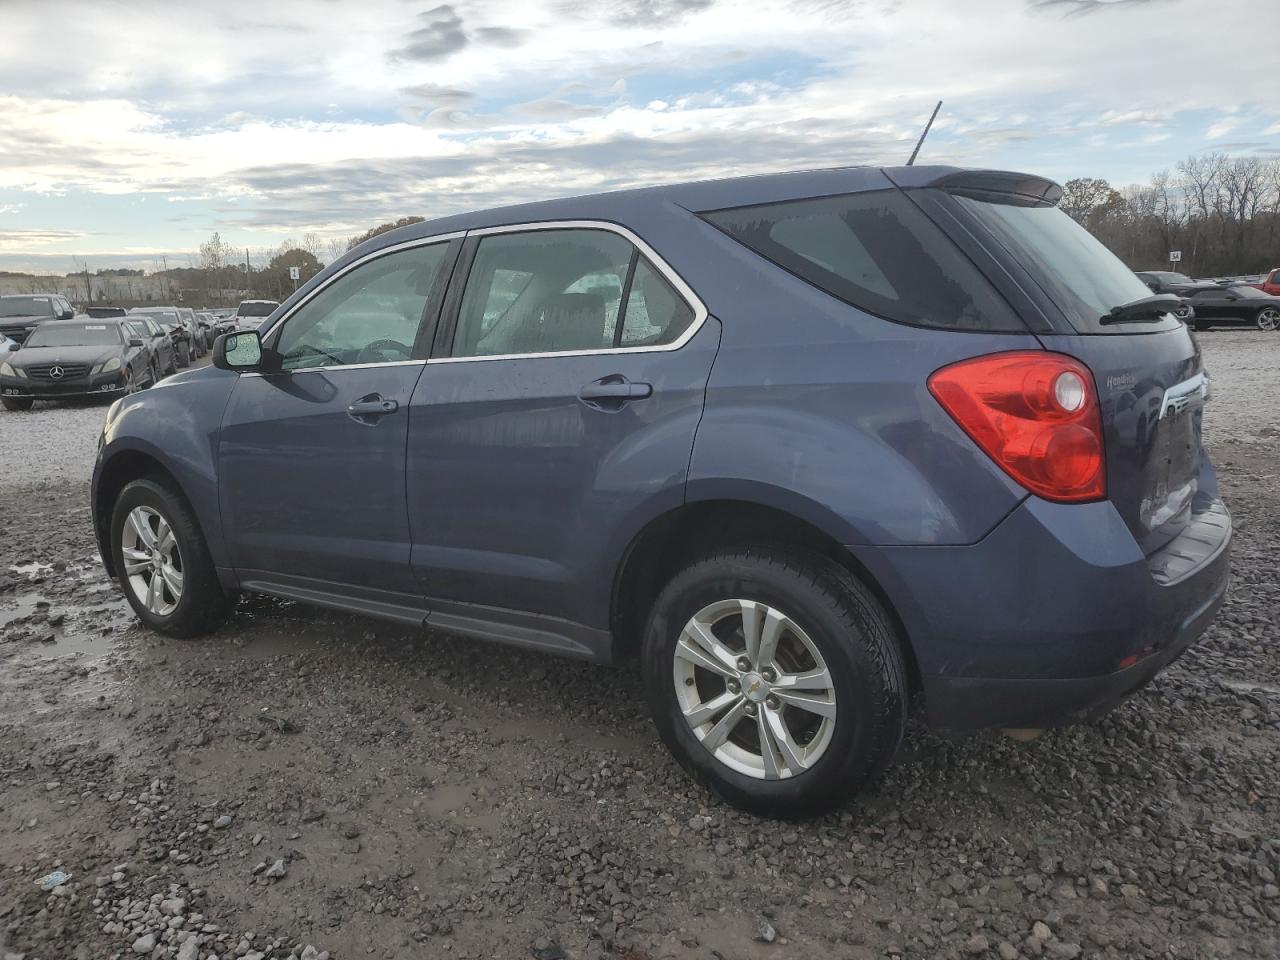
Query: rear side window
column 565, row 291
column 876, row 251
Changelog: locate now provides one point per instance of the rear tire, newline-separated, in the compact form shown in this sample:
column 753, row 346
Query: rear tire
column 1268, row 319
column 799, row 745
column 17, row 404
column 163, row 563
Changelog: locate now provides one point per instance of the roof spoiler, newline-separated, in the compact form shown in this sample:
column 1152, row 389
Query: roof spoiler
column 1027, row 186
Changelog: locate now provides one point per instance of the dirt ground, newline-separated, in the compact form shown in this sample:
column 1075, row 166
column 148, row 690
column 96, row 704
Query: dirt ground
column 306, row 782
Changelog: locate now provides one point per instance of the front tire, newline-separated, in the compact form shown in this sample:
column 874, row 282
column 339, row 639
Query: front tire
column 17, row 404
column 776, row 679
column 162, row 562
column 184, row 355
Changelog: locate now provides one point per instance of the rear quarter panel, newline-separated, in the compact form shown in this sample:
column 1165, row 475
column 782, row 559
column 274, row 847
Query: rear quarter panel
column 822, row 410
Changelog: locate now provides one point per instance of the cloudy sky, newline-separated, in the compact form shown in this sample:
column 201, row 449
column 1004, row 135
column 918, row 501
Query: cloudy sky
column 135, row 128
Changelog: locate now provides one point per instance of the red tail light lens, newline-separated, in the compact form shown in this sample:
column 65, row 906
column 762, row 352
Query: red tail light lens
column 1033, row 413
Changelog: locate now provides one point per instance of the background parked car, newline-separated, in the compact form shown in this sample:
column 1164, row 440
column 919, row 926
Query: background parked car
column 1238, row 304
column 179, row 333
column 63, row 359
column 208, row 327
column 20, row 313
column 251, row 313
column 164, row 358
column 1271, row 285
column 1167, row 281
column 200, row 345
column 99, row 312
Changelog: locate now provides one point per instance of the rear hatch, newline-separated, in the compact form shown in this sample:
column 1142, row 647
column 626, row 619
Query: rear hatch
column 1147, row 369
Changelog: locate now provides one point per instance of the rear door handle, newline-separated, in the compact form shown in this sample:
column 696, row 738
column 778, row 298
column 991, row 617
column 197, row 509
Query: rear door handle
column 614, row 391
column 374, row 406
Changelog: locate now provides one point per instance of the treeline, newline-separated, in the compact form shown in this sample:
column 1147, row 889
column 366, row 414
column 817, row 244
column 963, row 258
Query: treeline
column 224, row 274
column 1222, row 213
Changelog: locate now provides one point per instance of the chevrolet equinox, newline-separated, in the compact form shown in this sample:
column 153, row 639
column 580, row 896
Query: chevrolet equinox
column 811, row 446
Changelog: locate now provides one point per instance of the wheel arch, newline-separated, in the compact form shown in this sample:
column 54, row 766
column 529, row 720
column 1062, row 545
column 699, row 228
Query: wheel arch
column 676, row 538
column 116, row 472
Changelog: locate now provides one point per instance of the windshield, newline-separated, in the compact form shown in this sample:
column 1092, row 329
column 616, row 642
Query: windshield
column 1082, row 277
column 165, row 318
column 74, row 335
column 256, row 308
column 26, row 307
column 1175, row 278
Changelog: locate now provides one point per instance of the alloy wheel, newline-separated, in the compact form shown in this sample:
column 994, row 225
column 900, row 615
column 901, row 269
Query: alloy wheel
column 152, row 560
column 1269, row 319
column 754, row 689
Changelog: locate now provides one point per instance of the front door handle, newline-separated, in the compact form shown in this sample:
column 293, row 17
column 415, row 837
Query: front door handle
column 372, row 406
column 612, row 392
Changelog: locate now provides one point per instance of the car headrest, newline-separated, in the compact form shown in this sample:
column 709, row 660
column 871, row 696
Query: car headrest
column 570, row 321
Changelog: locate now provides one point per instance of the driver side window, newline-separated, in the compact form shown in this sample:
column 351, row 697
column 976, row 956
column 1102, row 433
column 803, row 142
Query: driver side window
column 369, row 315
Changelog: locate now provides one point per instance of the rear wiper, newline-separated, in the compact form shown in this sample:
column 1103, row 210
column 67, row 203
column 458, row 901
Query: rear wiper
column 1143, row 310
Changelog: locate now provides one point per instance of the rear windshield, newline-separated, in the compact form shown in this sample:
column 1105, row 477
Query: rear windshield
column 256, row 308
column 26, row 307
column 74, row 335
column 876, row 251
column 1080, row 275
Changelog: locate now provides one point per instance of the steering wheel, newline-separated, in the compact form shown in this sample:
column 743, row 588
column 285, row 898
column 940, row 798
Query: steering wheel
column 379, row 350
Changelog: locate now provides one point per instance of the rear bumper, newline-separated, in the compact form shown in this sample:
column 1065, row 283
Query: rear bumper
column 1056, row 614
column 970, row 703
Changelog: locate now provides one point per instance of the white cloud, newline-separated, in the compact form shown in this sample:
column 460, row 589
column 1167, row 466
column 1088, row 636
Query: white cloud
column 289, row 115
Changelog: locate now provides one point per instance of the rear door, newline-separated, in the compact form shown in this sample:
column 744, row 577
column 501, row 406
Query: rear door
column 312, row 456
column 558, row 409
column 1148, row 373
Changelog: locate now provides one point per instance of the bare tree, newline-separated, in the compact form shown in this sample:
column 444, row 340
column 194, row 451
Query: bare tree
column 313, row 243
column 335, row 248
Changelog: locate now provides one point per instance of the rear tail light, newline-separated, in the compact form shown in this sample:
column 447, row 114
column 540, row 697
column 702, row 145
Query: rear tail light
column 1036, row 415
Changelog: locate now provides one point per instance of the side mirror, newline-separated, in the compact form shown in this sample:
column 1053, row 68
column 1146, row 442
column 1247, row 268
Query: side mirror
column 238, row 351
column 66, row 314
column 135, row 341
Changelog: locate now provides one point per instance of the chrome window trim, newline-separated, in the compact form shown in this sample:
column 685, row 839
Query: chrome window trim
column 372, row 255
column 682, row 289
column 338, row 366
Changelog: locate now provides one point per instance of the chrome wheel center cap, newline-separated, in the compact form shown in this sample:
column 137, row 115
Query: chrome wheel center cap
column 754, row 687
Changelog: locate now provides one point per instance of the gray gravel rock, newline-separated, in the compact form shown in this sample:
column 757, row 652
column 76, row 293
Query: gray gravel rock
column 479, row 799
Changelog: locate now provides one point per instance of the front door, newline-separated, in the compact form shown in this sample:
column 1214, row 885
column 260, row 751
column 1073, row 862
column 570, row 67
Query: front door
column 312, row 456
column 559, row 406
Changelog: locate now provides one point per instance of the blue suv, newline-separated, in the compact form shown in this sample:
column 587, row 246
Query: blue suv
column 809, row 445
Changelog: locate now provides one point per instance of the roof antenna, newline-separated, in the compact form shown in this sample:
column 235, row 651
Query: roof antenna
column 919, row 142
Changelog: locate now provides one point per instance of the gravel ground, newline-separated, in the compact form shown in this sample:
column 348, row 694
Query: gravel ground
column 305, row 783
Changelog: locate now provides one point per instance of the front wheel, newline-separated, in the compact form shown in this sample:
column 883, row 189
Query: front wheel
column 776, row 679
column 184, row 355
column 1268, row 319
column 162, row 562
